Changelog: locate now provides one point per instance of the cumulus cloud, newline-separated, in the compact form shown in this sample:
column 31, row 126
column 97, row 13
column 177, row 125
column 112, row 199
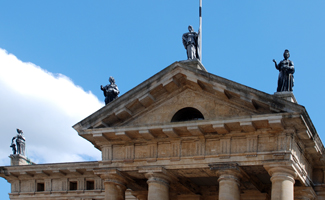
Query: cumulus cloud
column 44, row 106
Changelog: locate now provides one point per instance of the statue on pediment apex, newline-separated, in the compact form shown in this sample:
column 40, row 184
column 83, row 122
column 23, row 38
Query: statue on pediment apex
column 286, row 70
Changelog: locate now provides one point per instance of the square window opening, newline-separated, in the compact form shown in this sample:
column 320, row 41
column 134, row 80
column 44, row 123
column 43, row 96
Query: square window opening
column 73, row 185
column 40, row 187
column 90, row 185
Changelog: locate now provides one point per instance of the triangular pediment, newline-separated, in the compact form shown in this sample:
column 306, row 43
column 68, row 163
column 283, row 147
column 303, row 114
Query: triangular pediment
column 183, row 84
column 211, row 107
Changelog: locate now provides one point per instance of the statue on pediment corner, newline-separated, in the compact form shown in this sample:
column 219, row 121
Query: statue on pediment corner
column 111, row 90
column 19, row 147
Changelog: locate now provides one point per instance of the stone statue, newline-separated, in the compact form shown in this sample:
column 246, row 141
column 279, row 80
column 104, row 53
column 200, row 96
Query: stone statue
column 13, row 146
column 110, row 91
column 286, row 70
column 190, row 42
column 20, row 143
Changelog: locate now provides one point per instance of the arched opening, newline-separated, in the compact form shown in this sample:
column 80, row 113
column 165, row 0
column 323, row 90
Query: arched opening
column 187, row 114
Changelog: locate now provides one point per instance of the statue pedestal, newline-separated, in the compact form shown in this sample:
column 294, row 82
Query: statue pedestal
column 18, row 159
column 195, row 63
column 287, row 96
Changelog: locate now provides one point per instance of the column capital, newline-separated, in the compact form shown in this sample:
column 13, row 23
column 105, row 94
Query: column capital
column 283, row 179
column 158, row 182
column 157, row 174
column 282, row 172
column 113, row 176
column 158, row 179
column 223, row 177
column 229, row 179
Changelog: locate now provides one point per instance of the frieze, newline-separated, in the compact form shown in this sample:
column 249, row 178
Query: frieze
column 129, row 153
column 48, row 184
column 176, row 150
column 107, row 152
column 252, row 144
column 142, row 151
column 200, row 148
column 15, row 186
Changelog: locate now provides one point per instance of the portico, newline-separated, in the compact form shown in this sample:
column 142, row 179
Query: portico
column 187, row 134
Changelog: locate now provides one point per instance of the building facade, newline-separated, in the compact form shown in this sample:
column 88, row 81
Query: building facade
column 187, row 134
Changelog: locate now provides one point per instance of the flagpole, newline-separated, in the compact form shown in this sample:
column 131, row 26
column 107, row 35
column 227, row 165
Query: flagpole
column 200, row 30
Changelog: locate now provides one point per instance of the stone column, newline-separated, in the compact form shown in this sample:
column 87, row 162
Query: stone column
column 282, row 179
column 111, row 192
column 114, row 190
column 158, row 186
column 229, row 182
column 114, row 183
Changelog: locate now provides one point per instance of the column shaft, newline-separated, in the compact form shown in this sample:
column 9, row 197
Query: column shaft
column 158, row 189
column 111, row 192
column 121, row 190
column 114, row 182
column 282, row 183
column 229, row 187
column 282, row 187
column 114, row 190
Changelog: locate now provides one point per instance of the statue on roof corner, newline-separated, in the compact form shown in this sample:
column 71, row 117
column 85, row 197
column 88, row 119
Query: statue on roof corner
column 110, row 91
column 19, row 147
column 190, row 42
column 286, row 70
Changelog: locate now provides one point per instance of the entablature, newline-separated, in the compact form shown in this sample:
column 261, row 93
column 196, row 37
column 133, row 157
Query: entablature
column 44, row 171
column 270, row 123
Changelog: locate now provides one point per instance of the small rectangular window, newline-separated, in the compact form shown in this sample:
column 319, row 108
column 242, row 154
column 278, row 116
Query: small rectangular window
column 73, row 185
column 40, row 187
column 90, row 185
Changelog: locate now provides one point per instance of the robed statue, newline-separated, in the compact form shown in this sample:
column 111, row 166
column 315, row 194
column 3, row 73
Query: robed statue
column 286, row 70
column 19, row 147
column 110, row 91
column 190, row 42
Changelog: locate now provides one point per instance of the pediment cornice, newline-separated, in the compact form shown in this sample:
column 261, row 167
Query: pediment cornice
column 174, row 79
column 272, row 123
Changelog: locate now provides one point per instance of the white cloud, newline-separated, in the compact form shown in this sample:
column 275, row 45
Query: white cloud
column 44, row 106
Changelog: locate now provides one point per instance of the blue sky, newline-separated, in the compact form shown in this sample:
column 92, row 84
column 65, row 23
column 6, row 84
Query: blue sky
column 87, row 41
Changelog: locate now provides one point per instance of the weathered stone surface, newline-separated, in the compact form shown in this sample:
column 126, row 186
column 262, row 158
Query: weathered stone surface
column 250, row 145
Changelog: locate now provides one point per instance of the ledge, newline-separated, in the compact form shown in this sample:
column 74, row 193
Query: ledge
column 247, row 124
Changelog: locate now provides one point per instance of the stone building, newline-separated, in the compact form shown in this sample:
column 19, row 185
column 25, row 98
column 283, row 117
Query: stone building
column 187, row 134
